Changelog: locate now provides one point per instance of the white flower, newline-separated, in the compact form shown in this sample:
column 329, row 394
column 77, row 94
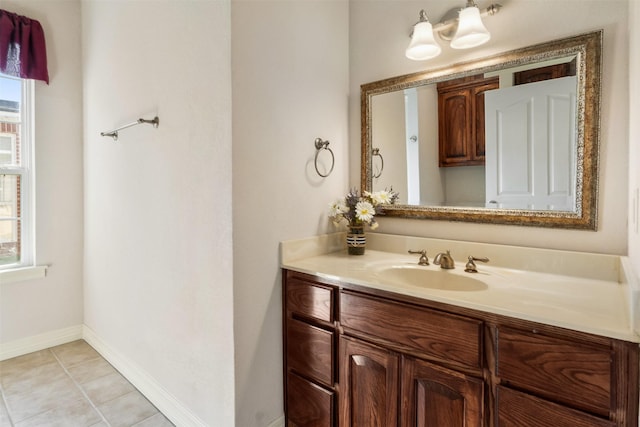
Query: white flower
column 365, row 211
column 381, row 197
column 357, row 210
column 337, row 208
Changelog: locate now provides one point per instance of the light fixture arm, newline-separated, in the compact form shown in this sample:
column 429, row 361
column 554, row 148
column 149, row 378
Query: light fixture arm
column 422, row 17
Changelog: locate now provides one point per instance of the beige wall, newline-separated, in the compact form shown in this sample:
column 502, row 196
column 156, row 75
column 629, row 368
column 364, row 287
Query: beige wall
column 290, row 86
column 34, row 307
column 634, row 135
column 379, row 34
column 167, row 297
column 158, row 245
column 388, row 132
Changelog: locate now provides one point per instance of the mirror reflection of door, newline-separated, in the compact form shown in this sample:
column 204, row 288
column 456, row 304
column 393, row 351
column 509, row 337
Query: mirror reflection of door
column 530, row 134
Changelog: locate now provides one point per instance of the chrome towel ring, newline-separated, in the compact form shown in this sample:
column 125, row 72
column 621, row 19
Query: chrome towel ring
column 376, row 152
column 323, row 145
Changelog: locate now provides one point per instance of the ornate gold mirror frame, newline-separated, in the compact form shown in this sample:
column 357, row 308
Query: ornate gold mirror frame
column 587, row 49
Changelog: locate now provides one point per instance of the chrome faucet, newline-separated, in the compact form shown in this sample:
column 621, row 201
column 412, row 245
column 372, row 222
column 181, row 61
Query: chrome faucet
column 471, row 265
column 423, row 257
column 444, row 260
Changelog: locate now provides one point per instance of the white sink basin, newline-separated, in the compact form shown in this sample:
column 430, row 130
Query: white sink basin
column 422, row 276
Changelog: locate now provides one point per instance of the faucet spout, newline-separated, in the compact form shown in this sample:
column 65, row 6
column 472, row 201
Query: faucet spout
column 444, row 260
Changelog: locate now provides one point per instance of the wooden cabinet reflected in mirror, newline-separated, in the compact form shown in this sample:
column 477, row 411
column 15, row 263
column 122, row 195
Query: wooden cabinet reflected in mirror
column 461, row 120
column 509, row 139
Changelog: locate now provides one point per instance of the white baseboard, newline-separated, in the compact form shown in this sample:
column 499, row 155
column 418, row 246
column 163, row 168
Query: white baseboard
column 170, row 407
column 40, row 342
column 278, row 422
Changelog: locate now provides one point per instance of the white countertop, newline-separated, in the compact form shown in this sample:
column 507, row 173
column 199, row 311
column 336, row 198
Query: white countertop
column 599, row 306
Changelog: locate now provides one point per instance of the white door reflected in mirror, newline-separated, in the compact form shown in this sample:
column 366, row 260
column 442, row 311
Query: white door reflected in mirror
column 529, row 143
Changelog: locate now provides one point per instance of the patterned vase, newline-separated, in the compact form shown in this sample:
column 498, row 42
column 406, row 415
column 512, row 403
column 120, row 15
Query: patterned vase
column 356, row 240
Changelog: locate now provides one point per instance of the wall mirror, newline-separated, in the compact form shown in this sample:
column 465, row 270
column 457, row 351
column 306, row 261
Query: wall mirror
column 508, row 139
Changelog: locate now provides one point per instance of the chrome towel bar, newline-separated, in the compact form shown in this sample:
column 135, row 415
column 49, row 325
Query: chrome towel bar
column 114, row 133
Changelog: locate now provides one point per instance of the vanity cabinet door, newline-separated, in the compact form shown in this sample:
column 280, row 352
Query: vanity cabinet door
column 368, row 385
column 517, row 409
column 433, row 396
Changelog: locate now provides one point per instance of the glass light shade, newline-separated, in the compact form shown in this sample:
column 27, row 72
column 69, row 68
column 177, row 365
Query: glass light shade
column 423, row 46
column 471, row 31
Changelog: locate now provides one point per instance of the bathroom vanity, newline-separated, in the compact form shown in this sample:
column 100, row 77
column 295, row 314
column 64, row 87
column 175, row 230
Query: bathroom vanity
column 366, row 347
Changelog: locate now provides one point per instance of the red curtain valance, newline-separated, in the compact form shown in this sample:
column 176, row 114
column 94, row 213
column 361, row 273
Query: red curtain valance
column 22, row 47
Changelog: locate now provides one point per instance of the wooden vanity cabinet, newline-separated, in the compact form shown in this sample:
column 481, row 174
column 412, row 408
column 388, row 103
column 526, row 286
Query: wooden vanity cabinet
column 545, row 73
column 310, row 341
column 356, row 357
column 551, row 376
column 381, row 362
column 461, row 126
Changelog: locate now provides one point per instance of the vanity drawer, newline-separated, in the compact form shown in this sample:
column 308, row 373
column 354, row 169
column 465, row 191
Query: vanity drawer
column 310, row 351
column 309, row 404
column 519, row 409
column 432, row 333
column 309, row 299
column 565, row 371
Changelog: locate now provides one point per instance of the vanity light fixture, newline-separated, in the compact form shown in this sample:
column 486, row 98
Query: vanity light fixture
column 471, row 31
column 462, row 27
column 423, row 45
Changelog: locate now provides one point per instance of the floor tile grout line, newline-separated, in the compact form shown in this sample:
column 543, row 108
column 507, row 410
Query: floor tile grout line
column 79, row 387
column 149, row 417
column 58, row 359
column 6, row 406
column 13, row 423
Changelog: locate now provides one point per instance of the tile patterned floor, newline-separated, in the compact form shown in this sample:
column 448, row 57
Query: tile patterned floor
column 70, row 385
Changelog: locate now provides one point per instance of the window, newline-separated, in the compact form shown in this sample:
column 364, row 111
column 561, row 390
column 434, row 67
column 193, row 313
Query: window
column 16, row 172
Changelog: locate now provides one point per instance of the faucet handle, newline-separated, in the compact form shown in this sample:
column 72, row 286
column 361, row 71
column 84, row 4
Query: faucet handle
column 423, row 256
column 471, row 265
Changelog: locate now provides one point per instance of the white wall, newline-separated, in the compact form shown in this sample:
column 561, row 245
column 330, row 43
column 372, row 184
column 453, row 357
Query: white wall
column 290, row 86
column 389, row 135
column 158, row 245
column 379, row 34
column 40, row 306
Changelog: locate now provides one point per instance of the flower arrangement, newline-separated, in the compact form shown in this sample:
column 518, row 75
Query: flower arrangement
column 358, row 210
